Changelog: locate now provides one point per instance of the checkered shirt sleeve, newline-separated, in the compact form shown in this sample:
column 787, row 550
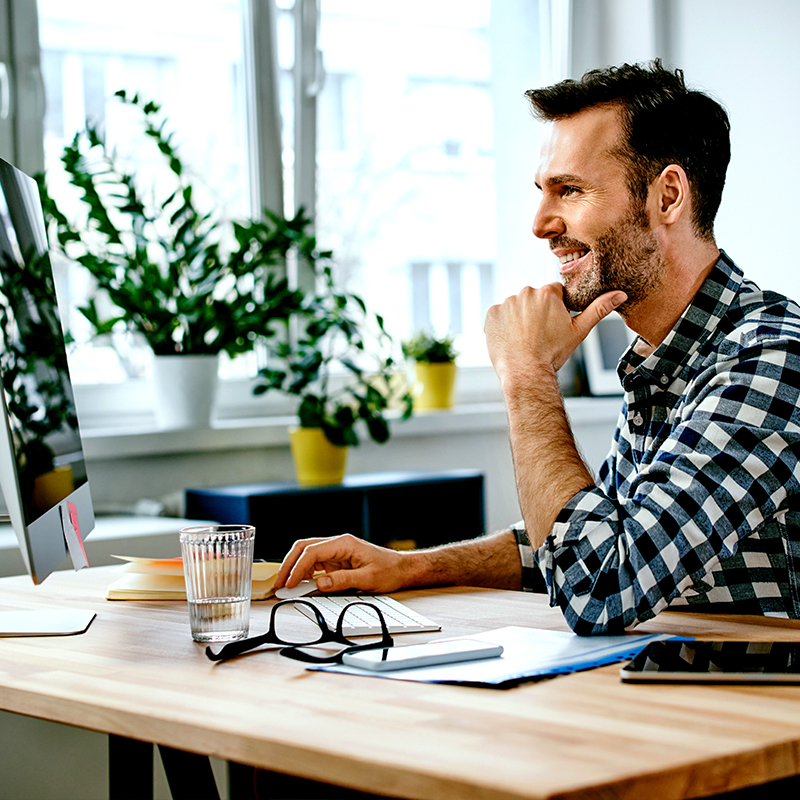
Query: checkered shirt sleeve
column 698, row 500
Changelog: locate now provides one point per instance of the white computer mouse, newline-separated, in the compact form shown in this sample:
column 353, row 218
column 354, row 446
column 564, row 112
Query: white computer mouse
column 303, row 588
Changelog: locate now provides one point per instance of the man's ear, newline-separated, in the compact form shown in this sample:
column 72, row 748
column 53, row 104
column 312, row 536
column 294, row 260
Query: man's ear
column 671, row 194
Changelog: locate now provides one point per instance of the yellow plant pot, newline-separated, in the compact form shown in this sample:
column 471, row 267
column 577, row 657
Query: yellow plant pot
column 317, row 462
column 435, row 384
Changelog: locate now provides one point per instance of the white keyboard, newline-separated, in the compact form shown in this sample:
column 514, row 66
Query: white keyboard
column 362, row 621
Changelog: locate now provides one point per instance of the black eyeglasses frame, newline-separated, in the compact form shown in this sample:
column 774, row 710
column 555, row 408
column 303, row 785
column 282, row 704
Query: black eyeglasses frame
column 293, row 649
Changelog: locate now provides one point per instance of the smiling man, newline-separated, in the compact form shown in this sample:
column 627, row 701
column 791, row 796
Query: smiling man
column 697, row 503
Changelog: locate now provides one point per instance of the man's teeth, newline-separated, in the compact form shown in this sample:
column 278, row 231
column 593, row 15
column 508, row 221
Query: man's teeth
column 572, row 256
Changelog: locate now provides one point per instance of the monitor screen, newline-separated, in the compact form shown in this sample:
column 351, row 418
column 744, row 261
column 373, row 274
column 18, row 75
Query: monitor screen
column 42, row 469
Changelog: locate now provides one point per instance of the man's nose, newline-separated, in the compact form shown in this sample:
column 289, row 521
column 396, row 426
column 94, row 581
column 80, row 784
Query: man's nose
column 547, row 224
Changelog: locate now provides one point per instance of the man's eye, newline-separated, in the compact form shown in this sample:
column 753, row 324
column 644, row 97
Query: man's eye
column 566, row 191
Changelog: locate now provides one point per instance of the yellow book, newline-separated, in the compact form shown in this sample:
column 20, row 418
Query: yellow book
column 162, row 579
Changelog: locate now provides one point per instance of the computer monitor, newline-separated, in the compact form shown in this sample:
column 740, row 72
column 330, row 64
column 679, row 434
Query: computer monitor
column 42, row 469
column 602, row 350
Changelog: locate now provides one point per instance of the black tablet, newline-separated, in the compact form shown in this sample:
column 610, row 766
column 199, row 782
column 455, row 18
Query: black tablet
column 674, row 661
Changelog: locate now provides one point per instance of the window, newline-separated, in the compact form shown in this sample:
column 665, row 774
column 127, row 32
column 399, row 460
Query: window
column 409, row 155
column 405, row 192
column 185, row 55
column 421, row 159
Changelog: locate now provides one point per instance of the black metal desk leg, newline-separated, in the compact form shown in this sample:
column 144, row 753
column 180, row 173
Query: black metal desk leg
column 130, row 769
column 189, row 775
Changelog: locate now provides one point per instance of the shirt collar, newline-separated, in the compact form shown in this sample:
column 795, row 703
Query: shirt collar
column 700, row 320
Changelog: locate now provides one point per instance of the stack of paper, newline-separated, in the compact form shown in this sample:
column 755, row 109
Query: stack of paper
column 162, row 579
column 527, row 653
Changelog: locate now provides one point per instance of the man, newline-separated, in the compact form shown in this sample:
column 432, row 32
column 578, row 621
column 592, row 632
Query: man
column 697, row 502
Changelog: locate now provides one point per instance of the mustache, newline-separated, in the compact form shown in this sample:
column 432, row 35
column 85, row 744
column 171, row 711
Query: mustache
column 566, row 241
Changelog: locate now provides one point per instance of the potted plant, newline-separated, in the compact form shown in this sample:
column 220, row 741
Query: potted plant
column 435, row 367
column 189, row 283
column 340, row 367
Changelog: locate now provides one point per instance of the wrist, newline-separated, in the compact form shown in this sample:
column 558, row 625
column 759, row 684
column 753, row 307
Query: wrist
column 534, row 393
column 414, row 568
column 531, row 380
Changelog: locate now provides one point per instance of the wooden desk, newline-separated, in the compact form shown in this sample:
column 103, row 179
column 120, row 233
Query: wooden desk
column 137, row 673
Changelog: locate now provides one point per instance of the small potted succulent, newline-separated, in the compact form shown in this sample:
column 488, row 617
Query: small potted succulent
column 435, row 368
column 340, row 366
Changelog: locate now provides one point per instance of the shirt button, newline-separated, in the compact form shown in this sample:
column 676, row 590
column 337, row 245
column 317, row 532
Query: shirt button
column 664, row 380
column 638, row 420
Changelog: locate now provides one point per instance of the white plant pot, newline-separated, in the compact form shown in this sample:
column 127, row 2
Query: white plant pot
column 185, row 390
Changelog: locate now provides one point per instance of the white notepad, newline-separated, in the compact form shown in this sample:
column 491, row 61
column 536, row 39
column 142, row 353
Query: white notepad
column 527, row 653
column 56, row 622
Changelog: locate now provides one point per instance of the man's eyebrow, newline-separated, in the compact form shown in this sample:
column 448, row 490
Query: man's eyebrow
column 559, row 180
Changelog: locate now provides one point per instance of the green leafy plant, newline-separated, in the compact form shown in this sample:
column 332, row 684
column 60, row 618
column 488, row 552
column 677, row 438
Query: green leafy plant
column 427, row 348
column 186, row 280
column 340, row 366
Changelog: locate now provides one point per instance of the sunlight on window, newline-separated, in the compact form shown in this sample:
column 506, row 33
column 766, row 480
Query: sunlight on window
column 185, row 55
column 406, row 195
column 422, row 184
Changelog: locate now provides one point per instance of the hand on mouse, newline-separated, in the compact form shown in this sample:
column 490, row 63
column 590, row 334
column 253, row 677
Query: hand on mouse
column 348, row 563
column 302, row 589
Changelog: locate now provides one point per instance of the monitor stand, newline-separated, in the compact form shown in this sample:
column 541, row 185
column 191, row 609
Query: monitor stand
column 55, row 621
column 48, row 622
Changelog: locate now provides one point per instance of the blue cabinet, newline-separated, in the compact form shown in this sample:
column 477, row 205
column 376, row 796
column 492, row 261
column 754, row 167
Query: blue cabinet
column 396, row 509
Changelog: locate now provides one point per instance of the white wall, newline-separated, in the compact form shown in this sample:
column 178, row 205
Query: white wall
column 745, row 55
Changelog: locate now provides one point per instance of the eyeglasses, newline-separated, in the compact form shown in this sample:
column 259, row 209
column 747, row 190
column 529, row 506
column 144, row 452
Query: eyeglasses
column 292, row 649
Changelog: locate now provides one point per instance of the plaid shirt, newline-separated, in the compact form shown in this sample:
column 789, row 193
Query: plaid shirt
column 698, row 503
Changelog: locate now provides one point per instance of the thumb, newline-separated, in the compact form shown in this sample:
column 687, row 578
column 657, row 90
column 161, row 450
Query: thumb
column 600, row 308
column 339, row 580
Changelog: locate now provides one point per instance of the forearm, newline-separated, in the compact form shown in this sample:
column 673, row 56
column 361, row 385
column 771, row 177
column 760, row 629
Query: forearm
column 491, row 561
column 548, row 467
column 530, row 336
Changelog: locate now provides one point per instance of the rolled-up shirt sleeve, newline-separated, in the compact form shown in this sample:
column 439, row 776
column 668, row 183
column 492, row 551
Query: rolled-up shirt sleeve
column 720, row 465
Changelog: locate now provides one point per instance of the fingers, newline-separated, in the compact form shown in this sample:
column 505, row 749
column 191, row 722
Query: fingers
column 534, row 329
column 332, row 553
column 529, row 331
column 349, row 563
column 600, row 308
column 290, row 573
column 341, row 579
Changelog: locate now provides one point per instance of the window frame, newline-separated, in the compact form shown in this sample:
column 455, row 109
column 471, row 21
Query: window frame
column 237, row 405
column 22, row 130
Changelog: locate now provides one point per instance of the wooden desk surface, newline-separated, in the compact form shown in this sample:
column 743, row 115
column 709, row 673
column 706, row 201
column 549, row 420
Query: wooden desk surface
column 137, row 673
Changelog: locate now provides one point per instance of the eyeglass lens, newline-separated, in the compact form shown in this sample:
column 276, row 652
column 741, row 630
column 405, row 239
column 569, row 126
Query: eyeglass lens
column 291, row 627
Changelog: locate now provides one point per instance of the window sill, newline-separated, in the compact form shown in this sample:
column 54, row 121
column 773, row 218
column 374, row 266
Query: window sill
column 272, row 431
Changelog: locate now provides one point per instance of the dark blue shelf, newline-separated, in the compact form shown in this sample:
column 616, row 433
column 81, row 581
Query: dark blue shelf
column 388, row 508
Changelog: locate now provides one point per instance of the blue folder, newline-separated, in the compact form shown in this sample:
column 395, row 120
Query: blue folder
column 528, row 653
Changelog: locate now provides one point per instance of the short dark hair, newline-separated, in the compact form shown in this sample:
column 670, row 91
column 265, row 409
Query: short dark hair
column 665, row 123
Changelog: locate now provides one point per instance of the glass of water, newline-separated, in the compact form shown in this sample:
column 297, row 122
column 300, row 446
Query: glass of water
column 218, row 568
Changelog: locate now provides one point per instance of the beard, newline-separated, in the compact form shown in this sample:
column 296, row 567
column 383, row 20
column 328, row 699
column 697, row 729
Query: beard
column 625, row 257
